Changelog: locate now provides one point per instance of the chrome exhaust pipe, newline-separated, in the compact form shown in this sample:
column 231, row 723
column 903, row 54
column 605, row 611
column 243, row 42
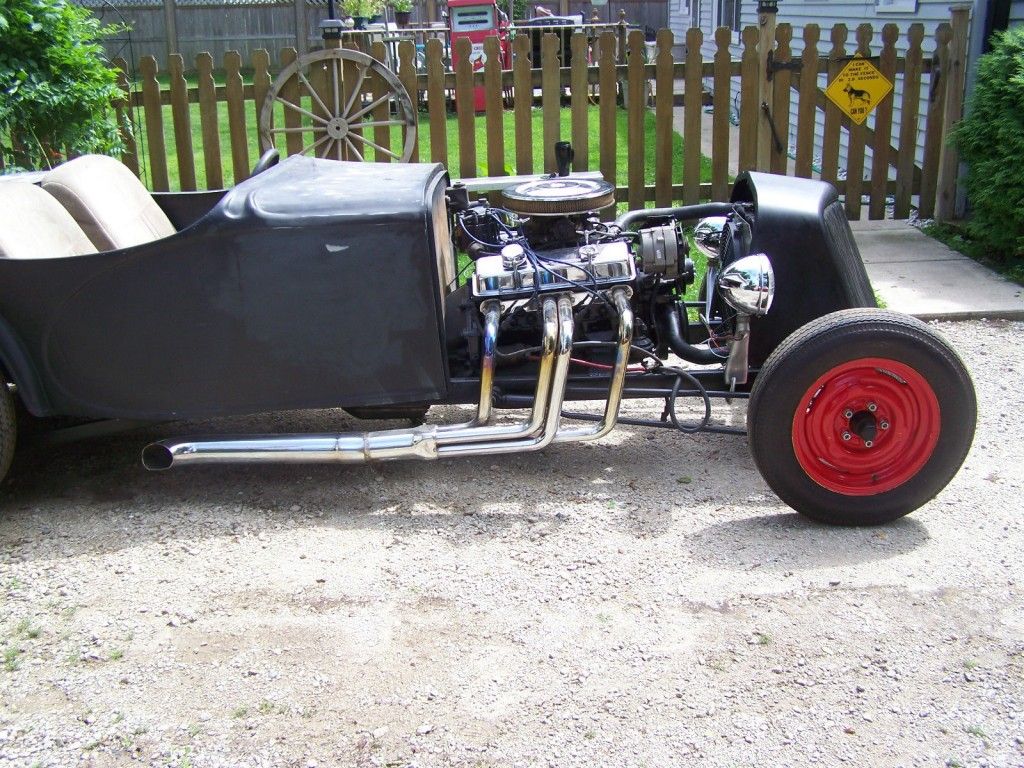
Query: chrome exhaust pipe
column 552, row 412
column 424, row 442
column 623, row 343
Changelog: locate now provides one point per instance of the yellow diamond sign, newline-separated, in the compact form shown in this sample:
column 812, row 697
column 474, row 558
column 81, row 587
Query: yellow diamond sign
column 858, row 89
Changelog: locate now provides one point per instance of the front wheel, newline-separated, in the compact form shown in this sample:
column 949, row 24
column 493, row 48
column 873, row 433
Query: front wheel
column 861, row 416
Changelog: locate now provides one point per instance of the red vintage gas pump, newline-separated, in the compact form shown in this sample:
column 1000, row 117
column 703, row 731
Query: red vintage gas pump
column 478, row 20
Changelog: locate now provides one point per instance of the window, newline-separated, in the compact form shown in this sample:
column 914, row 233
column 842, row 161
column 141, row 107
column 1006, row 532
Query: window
column 729, row 14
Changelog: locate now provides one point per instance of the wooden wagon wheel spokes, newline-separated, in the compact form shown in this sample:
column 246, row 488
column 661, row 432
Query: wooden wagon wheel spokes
column 348, row 95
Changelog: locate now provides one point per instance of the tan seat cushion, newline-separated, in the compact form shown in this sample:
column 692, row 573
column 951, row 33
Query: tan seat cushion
column 35, row 226
column 108, row 202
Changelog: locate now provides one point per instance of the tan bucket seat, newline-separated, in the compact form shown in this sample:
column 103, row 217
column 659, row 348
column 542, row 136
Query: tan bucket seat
column 108, row 202
column 35, row 226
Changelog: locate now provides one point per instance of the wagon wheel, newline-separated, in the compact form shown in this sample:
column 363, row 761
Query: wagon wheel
column 333, row 126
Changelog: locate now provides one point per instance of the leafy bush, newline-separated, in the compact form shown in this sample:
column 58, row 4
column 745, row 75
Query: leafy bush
column 991, row 142
column 56, row 88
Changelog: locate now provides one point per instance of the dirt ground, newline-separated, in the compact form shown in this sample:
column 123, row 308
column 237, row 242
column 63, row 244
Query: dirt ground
column 641, row 601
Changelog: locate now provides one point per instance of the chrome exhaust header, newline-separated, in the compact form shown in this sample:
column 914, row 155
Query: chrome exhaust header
column 473, row 438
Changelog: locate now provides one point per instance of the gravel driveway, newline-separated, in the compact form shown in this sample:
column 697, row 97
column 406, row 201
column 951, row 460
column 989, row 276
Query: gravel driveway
column 644, row 601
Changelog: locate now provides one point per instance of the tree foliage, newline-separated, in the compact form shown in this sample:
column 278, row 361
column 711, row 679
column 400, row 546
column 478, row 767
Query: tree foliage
column 991, row 142
column 56, row 88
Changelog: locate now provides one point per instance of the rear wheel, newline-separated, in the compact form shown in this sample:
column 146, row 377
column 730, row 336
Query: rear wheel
column 861, row 416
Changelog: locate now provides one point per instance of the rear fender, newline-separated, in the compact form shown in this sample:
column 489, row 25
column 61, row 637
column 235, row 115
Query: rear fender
column 20, row 370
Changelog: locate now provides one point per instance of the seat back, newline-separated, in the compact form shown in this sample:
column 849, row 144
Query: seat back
column 35, row 226
column 108, row 202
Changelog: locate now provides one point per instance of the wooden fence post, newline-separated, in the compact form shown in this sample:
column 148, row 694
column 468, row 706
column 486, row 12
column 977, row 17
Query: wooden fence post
column 693, row 98
column 807, row 109
column 858, row 140
column 766, row 41
column 949, row 157
column 154, row 125
column 550, row 98
column 750, row 119
column 181, row 120
column 301, row 27
column 125, row 123
column 663, row 121
column 621, row 52
column 909, row 121
column 720, row 116
column 781, row 82
column 636, row 109
column 171, row 27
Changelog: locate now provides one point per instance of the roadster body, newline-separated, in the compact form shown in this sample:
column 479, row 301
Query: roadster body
column 385, row 289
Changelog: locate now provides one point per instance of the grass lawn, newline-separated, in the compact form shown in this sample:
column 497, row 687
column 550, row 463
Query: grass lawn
column 622, row 156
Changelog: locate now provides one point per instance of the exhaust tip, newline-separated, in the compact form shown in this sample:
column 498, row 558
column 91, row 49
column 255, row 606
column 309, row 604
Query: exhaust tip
column 157, row 457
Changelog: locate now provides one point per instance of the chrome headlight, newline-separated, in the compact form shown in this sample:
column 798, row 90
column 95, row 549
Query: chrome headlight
column 748, row 284
column 707, row 235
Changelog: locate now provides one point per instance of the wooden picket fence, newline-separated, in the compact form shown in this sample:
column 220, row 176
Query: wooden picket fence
column 597, row 75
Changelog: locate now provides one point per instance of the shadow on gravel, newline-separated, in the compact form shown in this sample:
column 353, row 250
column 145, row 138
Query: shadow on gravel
column 788, row 541
column 93, row 496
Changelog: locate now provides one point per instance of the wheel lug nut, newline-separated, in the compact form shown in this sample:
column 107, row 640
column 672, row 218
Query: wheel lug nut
column 872, row 407
column 868, row 443
column 848, row 414
column 883, row 425
column 847, row 435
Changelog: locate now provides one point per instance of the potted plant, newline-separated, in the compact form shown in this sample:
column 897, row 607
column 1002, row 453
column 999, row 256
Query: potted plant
column 362, row 10
column 402, row 9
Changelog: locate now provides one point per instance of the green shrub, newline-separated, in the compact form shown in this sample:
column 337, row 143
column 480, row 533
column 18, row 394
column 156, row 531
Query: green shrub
column 991, row 142
column 56, row 88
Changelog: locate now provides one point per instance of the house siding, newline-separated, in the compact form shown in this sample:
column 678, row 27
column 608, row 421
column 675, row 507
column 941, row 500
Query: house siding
column 1017, row 12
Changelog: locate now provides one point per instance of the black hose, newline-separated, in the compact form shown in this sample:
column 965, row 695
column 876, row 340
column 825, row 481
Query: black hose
column 684, row 213
column 667, row 322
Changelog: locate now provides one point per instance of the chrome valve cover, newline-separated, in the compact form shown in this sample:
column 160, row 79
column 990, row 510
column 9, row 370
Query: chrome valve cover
column 509, row 276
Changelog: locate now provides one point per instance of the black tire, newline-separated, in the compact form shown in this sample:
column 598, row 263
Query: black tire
column 870, row 468
column 8, row 429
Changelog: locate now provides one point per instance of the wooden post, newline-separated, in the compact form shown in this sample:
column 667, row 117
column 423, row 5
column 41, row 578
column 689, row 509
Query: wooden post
column 766, row 13
column 693, row 98
column 750, row 112
column 621, row 57
column 578, row 94
column 550, row 98
column 807, row 109
column 858, row 139
column 909, row 121
column 171, row 27
column 720, row 116
column 436, row 102
column 301, row 27
column 523, row 89
column 781, row 82
column 180, row 116
column 125, row 123
column 949, row 158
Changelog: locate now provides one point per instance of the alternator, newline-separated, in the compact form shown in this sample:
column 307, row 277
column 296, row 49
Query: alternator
column 662, row 251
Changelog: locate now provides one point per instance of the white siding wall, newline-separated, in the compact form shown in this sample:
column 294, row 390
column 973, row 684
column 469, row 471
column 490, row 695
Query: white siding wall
column 826, row 13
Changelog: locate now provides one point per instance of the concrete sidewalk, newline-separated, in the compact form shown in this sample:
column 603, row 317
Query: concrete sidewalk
column 917, row 274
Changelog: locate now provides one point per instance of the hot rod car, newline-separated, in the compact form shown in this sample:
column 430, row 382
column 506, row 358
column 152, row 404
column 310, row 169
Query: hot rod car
column 385, row 289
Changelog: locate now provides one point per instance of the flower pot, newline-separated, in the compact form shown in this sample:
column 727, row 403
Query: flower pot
column 359, row 22
column 402, row 18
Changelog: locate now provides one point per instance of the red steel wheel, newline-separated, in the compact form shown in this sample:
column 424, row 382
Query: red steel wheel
column 861, row 416
column 868, row 426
